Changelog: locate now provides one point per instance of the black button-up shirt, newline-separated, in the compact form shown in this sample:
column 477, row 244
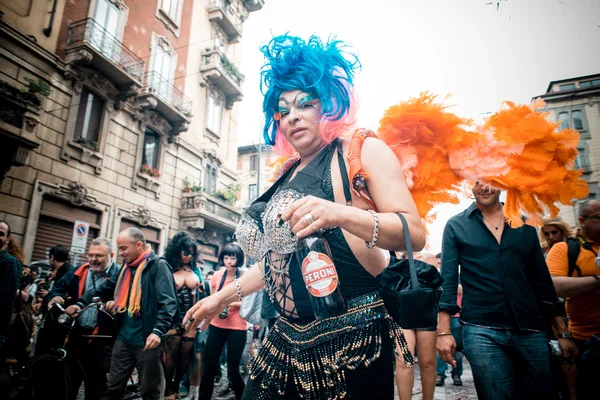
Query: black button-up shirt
column 504, row 284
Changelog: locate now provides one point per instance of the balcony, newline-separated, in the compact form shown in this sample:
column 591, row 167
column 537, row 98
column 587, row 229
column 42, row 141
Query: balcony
column 19, row 118
column 254, row 5
column 226, row 17
column 200, row 210
column 89, row 43
column 159, row 94
column 217, row 69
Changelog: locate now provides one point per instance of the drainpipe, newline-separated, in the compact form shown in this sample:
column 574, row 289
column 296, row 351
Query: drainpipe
column 48, row 30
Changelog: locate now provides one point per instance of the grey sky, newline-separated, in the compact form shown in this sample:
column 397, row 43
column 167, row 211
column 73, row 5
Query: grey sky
column 463, row 47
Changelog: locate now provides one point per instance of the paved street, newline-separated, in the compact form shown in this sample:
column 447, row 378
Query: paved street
column 448, row 391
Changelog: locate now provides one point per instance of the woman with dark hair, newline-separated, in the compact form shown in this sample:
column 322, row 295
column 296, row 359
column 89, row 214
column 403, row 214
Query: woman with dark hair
column 227, row 327
column 181, row 255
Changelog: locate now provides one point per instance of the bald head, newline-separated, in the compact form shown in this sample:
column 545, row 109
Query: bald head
column 586, row 207
column 135, row 233
column 131, row 243
column 589, row 219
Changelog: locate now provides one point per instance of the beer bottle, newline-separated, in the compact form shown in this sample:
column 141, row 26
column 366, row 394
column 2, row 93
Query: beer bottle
column 320, row 277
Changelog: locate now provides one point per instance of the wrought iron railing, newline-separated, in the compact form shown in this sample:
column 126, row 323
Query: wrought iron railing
column 161, row 87
column 218, row 59
column 228, row 9
column 90, row 32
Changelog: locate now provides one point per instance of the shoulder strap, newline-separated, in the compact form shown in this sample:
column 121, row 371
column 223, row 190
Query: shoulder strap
column 573, row 249
column 344, row 172
column 409, row 252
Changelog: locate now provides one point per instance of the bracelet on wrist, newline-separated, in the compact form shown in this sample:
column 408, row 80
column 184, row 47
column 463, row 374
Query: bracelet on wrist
column 444, row 334
column 373, row 241
column 238, row 288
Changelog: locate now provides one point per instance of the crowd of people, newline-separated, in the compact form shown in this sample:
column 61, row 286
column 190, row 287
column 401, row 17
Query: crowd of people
column 501, row 304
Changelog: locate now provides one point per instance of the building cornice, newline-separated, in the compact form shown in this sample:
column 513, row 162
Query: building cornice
column 569, row 95
column 26, row 42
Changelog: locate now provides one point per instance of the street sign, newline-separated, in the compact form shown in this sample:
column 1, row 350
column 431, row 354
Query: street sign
column 80, row 235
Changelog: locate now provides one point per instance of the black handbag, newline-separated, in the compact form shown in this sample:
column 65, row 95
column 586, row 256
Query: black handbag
column 411, row 289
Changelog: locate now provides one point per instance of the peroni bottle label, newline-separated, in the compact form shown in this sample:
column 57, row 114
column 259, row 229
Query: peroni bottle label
column 320, row 275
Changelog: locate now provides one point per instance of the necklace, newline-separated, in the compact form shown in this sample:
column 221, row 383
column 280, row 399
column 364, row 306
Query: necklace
column 497, row 226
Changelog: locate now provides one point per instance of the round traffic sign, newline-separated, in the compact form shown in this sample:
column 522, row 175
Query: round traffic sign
column 81, row 230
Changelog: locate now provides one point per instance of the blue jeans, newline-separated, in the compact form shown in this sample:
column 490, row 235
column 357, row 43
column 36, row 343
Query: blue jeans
column 508, row 363
column 441, row 366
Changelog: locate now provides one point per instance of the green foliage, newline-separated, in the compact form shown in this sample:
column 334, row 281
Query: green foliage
column 89, row 143
column 38, row 86
column 229, row 193
column 231, row 69
column 196, row 188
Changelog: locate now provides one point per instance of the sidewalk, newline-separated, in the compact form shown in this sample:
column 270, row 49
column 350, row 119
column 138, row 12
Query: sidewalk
column 448, row 391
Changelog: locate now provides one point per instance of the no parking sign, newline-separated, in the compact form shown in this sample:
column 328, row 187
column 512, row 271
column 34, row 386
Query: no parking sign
column 80, row 235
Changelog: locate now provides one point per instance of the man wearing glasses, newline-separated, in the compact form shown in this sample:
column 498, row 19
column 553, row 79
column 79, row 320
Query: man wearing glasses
column 88, row 359
column 581, row 287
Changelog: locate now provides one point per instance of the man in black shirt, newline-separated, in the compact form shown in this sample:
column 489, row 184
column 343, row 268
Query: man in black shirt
column 507, row 291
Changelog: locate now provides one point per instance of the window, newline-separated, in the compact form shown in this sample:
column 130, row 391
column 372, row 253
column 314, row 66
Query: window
column 252, row 192
column 563, row 117
column 163, row 69
column 171, row 8
column 575, row 119
column 585, row 84
column 210, row 178
column 220, row 40
column 253, row 162
column 150, row 153
column 566, row 86
column 89, row 118
column 582, row 161
column 213, row 118
column 108, row 16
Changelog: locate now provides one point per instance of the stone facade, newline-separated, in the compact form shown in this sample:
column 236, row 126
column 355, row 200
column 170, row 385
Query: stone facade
column 50, row 165
column 575, row 103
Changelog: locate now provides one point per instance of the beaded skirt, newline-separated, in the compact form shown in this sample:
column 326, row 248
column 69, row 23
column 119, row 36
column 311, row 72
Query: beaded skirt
column 319, row 354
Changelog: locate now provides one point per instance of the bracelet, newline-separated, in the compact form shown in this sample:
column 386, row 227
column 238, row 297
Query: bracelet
column 373, row 241
column 238, row 288
column 444, row 334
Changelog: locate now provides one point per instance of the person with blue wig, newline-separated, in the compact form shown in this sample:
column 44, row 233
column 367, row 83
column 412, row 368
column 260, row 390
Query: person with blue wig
column 310, row 107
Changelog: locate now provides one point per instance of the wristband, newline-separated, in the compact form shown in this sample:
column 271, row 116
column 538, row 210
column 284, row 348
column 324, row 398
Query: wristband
column 444, row 334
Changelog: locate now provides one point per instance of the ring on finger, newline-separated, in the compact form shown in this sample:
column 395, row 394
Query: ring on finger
column 309, row 218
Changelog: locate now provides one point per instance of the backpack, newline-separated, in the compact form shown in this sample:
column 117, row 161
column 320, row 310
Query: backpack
column 573, row 249
column 574, row 246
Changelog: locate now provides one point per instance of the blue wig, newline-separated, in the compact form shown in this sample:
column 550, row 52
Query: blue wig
column 325, row 70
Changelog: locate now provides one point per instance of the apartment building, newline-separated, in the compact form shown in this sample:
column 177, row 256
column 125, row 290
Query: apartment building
column 575, row 103
column 107, row 119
